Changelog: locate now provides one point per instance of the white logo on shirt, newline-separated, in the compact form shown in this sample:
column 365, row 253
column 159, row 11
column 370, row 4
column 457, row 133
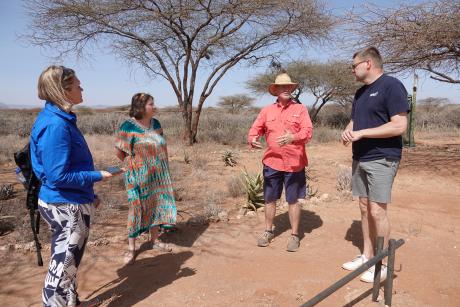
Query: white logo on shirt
column 374, row 94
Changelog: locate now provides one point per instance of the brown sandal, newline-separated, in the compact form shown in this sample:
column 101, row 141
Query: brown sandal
column 129, row 257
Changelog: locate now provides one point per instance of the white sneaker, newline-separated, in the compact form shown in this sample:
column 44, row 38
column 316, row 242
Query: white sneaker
column 355, row 263
column 368, row 276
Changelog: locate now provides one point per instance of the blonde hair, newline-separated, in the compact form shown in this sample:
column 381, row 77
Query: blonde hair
column 52, row 84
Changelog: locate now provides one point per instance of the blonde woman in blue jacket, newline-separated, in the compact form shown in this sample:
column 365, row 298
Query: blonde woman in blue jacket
column 62, row 161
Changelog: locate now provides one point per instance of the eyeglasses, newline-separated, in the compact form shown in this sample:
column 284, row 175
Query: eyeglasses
column 66, row 72
column 353, row 66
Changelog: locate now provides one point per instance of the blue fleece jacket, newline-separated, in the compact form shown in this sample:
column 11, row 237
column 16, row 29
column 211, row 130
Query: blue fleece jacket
column 61, row 158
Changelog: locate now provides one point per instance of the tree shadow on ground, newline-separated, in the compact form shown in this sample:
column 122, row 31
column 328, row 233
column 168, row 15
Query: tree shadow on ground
column 355, row 235
column 308, row 222
column 138, row 281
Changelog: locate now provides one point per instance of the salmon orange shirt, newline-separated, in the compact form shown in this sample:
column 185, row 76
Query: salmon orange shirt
column 272, row 122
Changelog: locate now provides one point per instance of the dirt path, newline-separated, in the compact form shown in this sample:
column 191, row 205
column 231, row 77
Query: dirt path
column 219, row 264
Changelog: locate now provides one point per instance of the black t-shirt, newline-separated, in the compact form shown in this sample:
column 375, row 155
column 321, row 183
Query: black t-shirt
column 373, row 106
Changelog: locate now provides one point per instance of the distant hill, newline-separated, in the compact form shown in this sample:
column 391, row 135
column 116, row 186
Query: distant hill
column 19, row 106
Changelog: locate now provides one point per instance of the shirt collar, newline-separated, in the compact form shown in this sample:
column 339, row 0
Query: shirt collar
column 278, row 104
column 51, row 107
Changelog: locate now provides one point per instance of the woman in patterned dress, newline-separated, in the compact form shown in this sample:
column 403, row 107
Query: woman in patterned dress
column 147, row 180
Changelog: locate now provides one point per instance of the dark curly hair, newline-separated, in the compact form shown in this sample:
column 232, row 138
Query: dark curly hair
column 138, row 103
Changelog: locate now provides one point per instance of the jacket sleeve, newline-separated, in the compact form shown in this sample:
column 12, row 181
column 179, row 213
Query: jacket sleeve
column 55, row 146
column 258, row 127
column 306, row 129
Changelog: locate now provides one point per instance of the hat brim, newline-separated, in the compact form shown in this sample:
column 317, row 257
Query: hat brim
column 272, row 89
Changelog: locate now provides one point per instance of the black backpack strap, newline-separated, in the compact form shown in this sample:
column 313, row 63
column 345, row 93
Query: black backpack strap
column 32, row 204
column 34, row 223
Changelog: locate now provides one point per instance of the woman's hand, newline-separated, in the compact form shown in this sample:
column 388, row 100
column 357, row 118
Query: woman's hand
column 106, row 175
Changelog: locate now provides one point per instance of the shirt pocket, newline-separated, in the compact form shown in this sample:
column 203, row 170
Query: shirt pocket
column 293, row 123
column 270, row 123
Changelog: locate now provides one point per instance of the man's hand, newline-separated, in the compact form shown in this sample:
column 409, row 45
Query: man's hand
column 349, row 136
column 255, row 143
column 285, row 139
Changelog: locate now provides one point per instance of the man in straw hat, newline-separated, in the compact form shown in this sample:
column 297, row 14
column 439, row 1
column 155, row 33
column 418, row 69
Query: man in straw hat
column 287, row 127
column 378, row 119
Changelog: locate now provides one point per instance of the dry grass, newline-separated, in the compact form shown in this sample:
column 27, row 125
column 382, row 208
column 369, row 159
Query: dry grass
column 202, row 187
column 235, row 186
column 344, row 175
column 9, row 144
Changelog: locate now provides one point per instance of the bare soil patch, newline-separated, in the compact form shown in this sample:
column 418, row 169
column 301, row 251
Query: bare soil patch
column 218, row 264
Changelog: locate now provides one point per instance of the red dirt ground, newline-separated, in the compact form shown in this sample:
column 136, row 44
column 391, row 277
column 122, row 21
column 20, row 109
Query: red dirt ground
column 219, row 265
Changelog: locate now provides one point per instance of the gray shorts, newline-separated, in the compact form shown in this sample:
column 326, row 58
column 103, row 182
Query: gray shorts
column 374, row 179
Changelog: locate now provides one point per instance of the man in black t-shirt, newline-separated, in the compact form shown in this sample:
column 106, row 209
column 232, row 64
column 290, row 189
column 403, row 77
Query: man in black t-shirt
column 378, row 119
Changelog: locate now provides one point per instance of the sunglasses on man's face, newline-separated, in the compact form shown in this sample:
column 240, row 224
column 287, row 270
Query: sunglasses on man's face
column 354, row 65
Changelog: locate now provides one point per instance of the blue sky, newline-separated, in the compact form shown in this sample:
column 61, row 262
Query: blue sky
column 109, row 81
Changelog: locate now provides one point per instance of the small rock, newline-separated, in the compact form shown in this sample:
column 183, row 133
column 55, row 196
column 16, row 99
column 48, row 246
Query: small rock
column 99, row 242
column 242, row 211
column 223, row 216
column 7, row 247
column 214, row 219
column 251, row 213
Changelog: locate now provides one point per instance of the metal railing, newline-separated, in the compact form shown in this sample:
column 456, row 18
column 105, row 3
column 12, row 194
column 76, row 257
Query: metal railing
column 377, row 261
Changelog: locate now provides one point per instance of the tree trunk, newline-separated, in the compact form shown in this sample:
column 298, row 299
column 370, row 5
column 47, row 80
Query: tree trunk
column 316, row 111
column 196, row 119
column 187, row 119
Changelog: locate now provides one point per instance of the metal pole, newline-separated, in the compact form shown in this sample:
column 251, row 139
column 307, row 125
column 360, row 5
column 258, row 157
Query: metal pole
column 388, row 289
column 377, row 270
column 346, row 279
column 412, row 112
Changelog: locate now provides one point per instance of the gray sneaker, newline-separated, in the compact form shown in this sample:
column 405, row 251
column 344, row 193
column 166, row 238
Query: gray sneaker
column 293, row 244
column 265, row 239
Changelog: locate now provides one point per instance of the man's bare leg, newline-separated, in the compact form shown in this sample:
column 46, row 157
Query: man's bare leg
column 367, row 227
column 294, row 217
column 378, row 212
column 270, row 211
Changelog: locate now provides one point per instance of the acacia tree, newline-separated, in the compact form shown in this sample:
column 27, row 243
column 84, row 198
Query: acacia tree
column 327, row 82
column 423, row 36
column 180, row 40
column 235, row 103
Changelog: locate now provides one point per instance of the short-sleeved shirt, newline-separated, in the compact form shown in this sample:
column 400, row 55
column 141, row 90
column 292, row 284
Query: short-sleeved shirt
column 373, row 106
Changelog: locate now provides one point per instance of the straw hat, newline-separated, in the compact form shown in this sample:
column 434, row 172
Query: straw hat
column 282, row 79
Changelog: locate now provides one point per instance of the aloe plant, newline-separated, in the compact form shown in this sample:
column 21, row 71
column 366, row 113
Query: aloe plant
column 254, row 185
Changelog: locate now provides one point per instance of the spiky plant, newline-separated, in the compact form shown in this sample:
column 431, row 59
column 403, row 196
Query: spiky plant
column 229, row 158
column 6, row 191
column 254, row 185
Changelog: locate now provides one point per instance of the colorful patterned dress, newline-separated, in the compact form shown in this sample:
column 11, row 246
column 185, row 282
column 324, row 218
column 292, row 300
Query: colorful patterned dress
column 147, row 180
